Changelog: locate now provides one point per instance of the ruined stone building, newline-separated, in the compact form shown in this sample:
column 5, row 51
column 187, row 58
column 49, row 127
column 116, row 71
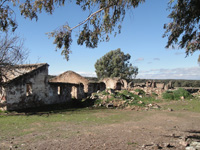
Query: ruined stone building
column 74, row 78
column 153, row 87
column 28, row 86
column 24, row 86
column 115, row 83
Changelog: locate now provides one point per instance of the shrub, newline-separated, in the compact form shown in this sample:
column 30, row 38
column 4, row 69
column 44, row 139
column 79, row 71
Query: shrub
column 168, row 95
column 181, row 92
column 125, row 94
column 98, row 101
column 104, row 93
column 175, row 95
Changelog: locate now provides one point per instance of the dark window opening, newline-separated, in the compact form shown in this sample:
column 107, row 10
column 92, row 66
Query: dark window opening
column 29, row 89
column 119, row 85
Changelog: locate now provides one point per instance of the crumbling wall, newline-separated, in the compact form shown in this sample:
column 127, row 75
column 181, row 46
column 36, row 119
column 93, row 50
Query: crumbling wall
column 124, row 83
column 160, row 85
column 94, row 87
column 71, row 77
column 152, row 87
column 115, row 83
column 30, row 90
column 2, row 99
column 64, row 92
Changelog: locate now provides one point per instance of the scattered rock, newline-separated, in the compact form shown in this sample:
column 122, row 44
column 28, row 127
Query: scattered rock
column 156, row 106
column 140, row 102
column 168, row 145
column 110, row 91
column 169, row 109
column 182, row 97
column 110, row 105
column 146, row 145
column 190, row 148
column 150, row 105
column 183, row 143
column 153, row 146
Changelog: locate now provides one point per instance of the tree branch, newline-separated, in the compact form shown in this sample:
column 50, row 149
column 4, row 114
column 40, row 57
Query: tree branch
column 88, row 18
column 3, row 3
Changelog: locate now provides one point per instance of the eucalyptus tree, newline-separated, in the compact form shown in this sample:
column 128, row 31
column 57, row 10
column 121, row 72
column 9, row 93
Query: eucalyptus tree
column 184, row 29
column 106, row 19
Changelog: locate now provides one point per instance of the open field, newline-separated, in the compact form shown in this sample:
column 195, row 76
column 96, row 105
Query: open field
column 103, row 128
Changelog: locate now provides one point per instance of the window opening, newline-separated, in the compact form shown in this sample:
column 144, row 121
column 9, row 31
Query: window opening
column 29, row 89
column 59, row 90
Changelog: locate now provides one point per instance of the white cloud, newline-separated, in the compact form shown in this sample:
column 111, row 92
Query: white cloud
column 176, row 73
column 87, row 74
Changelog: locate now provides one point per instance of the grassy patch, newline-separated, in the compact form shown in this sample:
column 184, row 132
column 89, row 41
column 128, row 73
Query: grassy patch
column 188, row 105
column 12, row 126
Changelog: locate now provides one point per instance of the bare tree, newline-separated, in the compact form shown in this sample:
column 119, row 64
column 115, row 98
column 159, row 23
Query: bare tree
column 12, row 52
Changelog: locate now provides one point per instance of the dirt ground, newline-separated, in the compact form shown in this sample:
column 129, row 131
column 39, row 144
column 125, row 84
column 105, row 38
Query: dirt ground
column 142, row 130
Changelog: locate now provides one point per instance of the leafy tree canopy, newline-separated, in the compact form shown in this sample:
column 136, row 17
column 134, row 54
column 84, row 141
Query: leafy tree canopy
column 106, row 19
column 115, row 64
column 184, row 29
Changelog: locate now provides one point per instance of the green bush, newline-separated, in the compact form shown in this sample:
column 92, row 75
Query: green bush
column 104, row 93
column 125, row 94
column 181, row 92
column 168, row 95
column 175, row 95
column 98, row 101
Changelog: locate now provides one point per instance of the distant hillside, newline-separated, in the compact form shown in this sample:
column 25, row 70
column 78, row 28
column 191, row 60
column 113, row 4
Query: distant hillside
column 92, row 79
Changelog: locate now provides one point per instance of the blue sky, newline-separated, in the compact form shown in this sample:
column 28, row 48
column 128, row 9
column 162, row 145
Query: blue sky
column 141, row 37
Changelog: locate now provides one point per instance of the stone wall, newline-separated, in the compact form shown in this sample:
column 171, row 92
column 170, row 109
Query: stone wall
column 64, row 92
column 29, row 90
column 115, row 83
column 94, row 87
column 2, row 99
column 71, row 77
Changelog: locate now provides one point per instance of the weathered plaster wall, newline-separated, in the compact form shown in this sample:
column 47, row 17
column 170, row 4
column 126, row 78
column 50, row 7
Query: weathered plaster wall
column 71, row 77
column 94, row 87
column 2, row 99
column 16, row 91
column 115, row 83
column 160, row 85
column 67, row 91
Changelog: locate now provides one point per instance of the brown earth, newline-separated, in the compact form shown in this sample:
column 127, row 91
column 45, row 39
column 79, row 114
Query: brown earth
column 156, row 129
